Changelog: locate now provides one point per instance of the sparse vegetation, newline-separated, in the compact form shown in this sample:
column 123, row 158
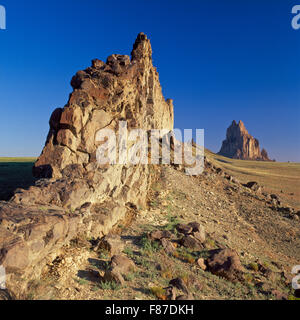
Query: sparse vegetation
column 185, row 255
column 109, row 285
column 172, row 222
column 148, row 246
column 254, row 266
column 158, row 292
column 155, row 267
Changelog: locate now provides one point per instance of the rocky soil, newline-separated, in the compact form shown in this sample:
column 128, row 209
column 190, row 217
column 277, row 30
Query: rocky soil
column 206, row 237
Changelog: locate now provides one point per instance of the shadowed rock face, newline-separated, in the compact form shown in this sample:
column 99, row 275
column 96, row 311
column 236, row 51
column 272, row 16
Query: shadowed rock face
column 239, row 144
column 75, row 195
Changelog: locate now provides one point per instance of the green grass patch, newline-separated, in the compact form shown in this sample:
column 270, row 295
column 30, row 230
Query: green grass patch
column 110, row 285
column 173, row 221
column 148, row 246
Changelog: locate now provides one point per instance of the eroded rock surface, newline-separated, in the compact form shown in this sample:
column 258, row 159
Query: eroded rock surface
column 239, row 144
column 74, row 194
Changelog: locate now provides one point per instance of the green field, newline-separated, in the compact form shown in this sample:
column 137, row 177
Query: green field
column 282, row 178
column 15, row 173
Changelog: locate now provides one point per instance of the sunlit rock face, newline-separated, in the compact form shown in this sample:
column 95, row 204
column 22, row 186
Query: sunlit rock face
column 75, row 194
column 239, row 144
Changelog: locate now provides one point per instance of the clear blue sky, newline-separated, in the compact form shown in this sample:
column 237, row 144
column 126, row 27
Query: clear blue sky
column 219, row 61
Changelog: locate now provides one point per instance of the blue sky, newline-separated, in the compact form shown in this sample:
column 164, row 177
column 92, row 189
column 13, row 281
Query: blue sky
column 218, row 60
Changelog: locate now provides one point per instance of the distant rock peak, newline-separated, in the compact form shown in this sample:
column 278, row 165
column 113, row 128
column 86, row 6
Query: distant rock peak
column 239, row 144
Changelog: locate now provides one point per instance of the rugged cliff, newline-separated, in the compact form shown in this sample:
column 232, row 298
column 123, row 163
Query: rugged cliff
column 239, row 144
column 76, row 195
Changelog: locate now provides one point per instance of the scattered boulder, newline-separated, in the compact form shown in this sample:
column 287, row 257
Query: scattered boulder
column 201, row 264
column 253, row 185
column 191, row 243
column 184, row 228
column 170, row 293
column 200, row 235
column 225, row 263
column 112, row 243
column 196, row 227
column 120, row 266
column 219, row 171
column 274, row 196
column 168, row 246
column 160, row 234
column 179, row 284
column 192, row 228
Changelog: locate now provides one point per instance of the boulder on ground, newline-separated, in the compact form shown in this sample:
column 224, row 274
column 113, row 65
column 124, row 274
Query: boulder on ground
column 191, row 243
column 201, row 264
column 184, row 228
column 160, row 234
column 225, row 263
column 168, row 246
column 112, row 243
column 120, row 266
column 253, row 185
column 179, row 284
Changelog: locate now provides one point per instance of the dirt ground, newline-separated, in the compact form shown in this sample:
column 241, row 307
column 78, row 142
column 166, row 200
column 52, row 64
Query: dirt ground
column 266, row 240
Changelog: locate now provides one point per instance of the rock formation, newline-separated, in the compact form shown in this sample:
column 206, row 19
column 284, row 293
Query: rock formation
column 76, row 195
column 239, row 144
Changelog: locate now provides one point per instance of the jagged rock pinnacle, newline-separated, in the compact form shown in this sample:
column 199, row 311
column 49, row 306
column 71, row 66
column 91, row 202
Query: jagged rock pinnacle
column 239, row 144
column 141, row 48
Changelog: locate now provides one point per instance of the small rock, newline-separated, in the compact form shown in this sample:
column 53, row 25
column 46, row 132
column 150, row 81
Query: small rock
column 112, row 243
column 179, row 284
column 170, row 293
column 274, row 196
column 160, row 234
column 253, row 185
column 191, row 243
column 201, row 264
column 96, row 63
column 120, row 265
column 113, row 276
column 200, row 235
column 195, row 225
column 184, row 228
column 168, row 246
column 225, row 263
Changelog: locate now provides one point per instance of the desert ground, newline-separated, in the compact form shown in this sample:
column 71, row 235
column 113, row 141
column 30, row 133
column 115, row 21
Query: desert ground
column 276, row 177
column 265, row 238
